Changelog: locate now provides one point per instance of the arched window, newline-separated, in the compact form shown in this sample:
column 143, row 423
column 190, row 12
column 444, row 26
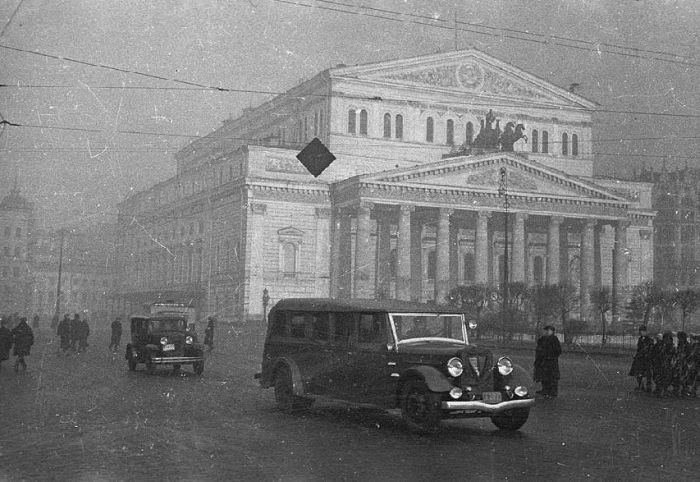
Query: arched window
column 469, row 267
column 450, row 134
column 429, row 130
column 564, row 144
column 399, row 126
column 538, row 270
column 351, row 121
column 574, row 144
column 315, row 123
column 320, row 122
column 535, row 140
column 363, row 122
column 545, row 141
column 387, row 125
column 469, row 133
column 289, row 263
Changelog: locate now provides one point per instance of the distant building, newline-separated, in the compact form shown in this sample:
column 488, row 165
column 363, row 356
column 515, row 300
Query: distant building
column 676, row 199
column 411, row 205
column 17, row 218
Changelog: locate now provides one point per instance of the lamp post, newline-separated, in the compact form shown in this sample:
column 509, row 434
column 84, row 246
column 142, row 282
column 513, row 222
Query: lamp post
column 265, row 301
column 503, row 191
column 62, row 232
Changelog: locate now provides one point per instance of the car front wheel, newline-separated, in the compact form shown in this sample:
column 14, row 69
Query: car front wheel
column 511, row 419
column 420, row 407
column 131, row 360
column 284, row 393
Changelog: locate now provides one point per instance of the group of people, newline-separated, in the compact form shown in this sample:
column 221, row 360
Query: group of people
column 673, row 368
column 73, row 333
column 18, row 340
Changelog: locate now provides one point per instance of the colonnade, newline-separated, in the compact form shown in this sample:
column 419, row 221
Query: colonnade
column 383, row 258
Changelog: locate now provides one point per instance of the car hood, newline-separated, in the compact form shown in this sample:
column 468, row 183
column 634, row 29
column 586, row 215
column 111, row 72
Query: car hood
column 434, row 351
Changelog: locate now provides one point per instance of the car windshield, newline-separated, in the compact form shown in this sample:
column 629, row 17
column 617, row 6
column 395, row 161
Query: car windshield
column 421, row 326
column 168, row 324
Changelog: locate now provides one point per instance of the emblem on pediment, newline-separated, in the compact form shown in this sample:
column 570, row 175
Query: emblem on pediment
column 471, row 77
column 516, row 181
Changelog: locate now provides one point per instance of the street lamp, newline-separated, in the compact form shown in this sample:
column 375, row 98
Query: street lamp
column 503, row 191
column 62, row 232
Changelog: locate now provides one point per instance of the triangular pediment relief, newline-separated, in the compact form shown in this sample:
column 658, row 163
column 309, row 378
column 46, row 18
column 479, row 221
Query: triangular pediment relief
column 290, row 231
column 483, row 174
column 466, row 72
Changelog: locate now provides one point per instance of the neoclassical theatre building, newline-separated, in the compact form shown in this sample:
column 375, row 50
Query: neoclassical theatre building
column 427, row 151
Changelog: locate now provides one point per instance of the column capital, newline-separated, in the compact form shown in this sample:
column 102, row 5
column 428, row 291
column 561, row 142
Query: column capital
column 407, row 208
column 258, row 208
column 622, row 224
column 590, row 223
column 323, row 212
column 484, row 214
column 521, row 216
column 365, row 205
column 556, row 220
column 445, row 212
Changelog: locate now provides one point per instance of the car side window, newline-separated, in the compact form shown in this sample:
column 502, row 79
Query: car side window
column 298, row 326
column 279, row 324
column 344, row 328
column 372, row 327
column 320, row 326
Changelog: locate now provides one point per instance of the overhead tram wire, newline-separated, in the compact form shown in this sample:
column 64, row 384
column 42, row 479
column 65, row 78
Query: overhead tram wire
column 545, row 40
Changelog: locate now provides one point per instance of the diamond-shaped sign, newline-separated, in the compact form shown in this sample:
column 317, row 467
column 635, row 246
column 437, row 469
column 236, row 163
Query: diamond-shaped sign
column 315, row 157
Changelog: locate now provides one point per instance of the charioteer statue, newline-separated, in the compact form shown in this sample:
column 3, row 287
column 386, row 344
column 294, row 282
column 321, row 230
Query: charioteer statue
column 491, row 138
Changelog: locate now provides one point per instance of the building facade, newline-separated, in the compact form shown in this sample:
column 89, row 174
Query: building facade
column 17, row 219
column 427, row 151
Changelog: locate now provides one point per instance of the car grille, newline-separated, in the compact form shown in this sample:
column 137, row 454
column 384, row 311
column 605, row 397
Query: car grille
column 477, row 368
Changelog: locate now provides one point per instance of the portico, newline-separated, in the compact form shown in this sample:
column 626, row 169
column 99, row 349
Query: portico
column 415, row 233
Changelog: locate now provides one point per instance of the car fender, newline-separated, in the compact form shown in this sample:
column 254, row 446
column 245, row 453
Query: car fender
column 518, row 377
column 297, row 383
column 152, row 347
column 433, row 378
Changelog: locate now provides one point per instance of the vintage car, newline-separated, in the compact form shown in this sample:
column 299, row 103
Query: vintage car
column 392, row 354
column 163, row 339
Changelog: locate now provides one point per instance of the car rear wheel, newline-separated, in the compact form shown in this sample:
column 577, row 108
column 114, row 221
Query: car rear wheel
column 284, row 392
column 511, row 419
column 198, row 367
column 420, row 407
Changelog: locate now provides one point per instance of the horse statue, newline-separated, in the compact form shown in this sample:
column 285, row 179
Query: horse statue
column 511, row 134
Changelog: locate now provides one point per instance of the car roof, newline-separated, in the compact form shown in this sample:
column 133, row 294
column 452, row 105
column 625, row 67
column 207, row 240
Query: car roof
column 347, row 305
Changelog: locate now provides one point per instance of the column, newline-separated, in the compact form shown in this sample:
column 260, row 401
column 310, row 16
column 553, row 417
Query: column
column 322, row 268
column 442, row 255
column 256, row 261
column 344, row 253
column 416, row 259
column 621, row 252
column 553, row 250
column 403, row 254
column 335, row 253
column 363, row 287
column 383, row 256
column 481, row 247
column 518, row 259
column 587, row 265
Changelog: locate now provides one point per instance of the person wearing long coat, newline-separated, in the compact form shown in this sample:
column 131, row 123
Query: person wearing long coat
column 209, row 333
column 665, row 355
column 641, row 364
column 5, row 341
column 63, row 332
column 22, row 339
column 75, row 328
column 116, row 334
column 547, row 362
column 83, row 334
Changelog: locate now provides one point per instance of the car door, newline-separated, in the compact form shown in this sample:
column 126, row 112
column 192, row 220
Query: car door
column 372, row 363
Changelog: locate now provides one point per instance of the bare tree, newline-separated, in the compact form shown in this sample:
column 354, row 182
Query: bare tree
column 566, row 300
column 542, row 304
column 601, row 299
column 645, row 297
column 473, row 299
column 687, row 301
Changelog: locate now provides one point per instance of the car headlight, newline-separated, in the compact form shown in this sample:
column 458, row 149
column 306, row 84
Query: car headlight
column 188, row 340
column 505, row 366
column 454, row 367
column 456, row 393
column 163, row 341
column 521, row 391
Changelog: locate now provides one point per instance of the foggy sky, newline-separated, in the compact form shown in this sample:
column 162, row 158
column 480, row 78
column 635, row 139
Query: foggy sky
column 269, row 45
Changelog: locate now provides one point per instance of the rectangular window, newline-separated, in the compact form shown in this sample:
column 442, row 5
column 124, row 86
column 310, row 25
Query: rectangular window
column 321, row 326
column 279, row 324
column 298, row 326
column 344, row 329
column 371, row 328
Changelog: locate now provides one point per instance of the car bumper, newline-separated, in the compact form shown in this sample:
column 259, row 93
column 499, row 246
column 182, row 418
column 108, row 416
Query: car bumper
column 488, row 407
column 170, row 360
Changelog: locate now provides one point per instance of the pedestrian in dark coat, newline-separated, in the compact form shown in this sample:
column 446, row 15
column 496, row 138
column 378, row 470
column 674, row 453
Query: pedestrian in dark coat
column 74, row 331
column 680, row 364
column 663, row 364
column 63, row 332
column 209, row 333
column 547, row 362
column 116, row 337
column 641, row 365
column 22, row 339
column 5, row 341
column 83, row 334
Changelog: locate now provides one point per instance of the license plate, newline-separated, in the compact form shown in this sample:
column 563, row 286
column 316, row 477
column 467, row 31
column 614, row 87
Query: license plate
column 168, row 347
column 491, row 397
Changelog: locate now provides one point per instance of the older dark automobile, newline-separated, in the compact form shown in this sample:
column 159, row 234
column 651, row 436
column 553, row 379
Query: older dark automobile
column 163, row 339
column 392, row 354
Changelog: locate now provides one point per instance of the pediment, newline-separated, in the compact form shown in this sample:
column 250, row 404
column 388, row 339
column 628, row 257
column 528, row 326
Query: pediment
column 290, row 232
column 466, row 72
column 483, row 174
